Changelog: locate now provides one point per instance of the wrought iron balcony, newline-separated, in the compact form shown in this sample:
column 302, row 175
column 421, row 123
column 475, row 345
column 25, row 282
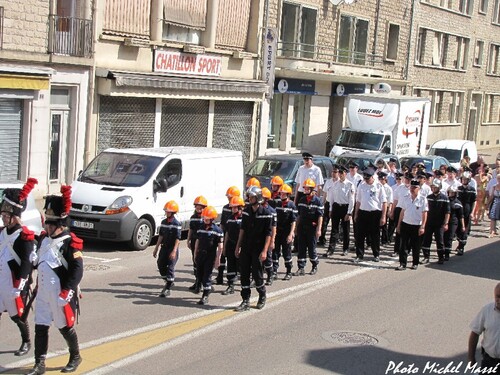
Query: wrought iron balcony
column 70, row 36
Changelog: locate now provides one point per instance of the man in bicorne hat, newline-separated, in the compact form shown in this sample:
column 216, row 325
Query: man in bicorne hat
column 60, row 270
column 16, row 245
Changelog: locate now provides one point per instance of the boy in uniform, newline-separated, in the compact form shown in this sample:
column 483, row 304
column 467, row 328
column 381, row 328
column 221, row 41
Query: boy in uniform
column 195, row 223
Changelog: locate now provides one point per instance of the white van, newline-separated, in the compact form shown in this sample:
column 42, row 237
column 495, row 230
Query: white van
column 121, row 194
column 454, row 150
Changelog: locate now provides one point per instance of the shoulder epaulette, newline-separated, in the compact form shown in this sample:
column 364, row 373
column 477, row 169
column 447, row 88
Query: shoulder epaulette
column 27, row 234
column 76, row 243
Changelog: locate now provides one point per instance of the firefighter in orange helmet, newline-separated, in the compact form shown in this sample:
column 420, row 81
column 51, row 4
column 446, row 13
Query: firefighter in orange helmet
column 169, row 238
column 195, row 223
column 208, row 250
column 276, row 183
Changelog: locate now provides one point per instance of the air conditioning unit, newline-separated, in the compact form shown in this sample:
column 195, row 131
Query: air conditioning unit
column 191, row 48
column 135, row 42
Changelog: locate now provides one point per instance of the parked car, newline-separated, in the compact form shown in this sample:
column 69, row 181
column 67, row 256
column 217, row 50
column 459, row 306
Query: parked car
column 31, row 217
column 431, row 162
column 284, row 165
column 454, row 150
column 364, row 159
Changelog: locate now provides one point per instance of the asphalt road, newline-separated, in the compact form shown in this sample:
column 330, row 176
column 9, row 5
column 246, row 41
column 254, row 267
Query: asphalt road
column 348, row 319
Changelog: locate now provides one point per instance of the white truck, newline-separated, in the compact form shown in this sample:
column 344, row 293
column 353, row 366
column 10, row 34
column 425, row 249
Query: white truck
column 384, row 124
column 121, row 194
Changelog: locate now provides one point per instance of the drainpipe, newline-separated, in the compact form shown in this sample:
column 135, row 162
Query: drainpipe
column 408, row 52
column 375, row 31
column 87, row 157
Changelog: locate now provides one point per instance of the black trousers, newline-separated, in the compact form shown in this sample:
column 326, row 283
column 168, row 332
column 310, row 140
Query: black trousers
column 232, row 262
column 306, row 235
column 368, row 225
column 338, row 213
column 204, row 266
column 281, row 246
column 409, row 235
column 438, row 232
column 326, row 220
column 250, row 264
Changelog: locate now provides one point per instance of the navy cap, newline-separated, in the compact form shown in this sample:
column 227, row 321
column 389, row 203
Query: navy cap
column 336, row 166
column 421, row 174
column 428, row 174
column 342, row 168
column 398, row 174
column 393, row 160
column 414, row 183
column 353, row 164
column 408, row 175
column 405, row 167
column 368, row 172
column 307, row 155
column 451, row 169
column 381, row 174
column 438, row 173
column 418, row 164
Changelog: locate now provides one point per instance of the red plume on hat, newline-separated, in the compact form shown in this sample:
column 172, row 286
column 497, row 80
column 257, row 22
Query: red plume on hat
column 66, row 195
column 27, row 188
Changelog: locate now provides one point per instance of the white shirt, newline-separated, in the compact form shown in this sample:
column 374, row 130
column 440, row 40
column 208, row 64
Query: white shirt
column 413, row 209
column 399, row 193
column 327, row 187
column 425, row 190
column 389, row 193
column 342, row 193
column 487, row 322
column 314, row 173
column 371, row 197
column 446, row 183
column 356, row 179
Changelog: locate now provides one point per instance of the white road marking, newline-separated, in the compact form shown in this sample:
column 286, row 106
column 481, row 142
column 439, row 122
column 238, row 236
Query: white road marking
column 103, row 260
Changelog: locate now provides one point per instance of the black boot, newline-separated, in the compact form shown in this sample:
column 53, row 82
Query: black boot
column 25, row 336
column 165, row 292
column 204, row 297
column 229, row 290
column 39, row 367
column 269, row 280
column 220, row 276
column 244, row 306
column 261, row 302
column 75, row 359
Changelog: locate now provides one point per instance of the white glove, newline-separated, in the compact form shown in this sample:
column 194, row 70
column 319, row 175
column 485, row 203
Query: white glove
column 16, row 292
column 61, row 302
column 33, row 257
column 65, row 297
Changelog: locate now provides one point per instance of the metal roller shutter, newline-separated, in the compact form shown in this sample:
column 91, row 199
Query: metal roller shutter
column 10, row 138
column 126, row 122
column 233, row 126
column 184, row 123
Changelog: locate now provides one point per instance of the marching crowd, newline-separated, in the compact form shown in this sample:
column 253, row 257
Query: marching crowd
column 406, row 209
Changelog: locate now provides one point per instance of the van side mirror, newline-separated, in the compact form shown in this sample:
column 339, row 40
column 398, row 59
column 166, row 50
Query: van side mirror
column 160, row 185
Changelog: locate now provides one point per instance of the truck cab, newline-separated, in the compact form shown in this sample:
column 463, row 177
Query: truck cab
column 454, row 150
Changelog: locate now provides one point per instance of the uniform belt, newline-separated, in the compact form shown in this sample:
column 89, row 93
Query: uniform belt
column 483, row 352
column 342, row 205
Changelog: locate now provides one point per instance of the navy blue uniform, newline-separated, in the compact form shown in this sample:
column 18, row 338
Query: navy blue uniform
column 209, row 238
column 195, row 222
column 231, row 232
column 310, row 210
column 454, row 225
column 256, row 227
column 268, row 264
column 439, row 207
column 467, row 196
column 170, row 231
column 286, row 215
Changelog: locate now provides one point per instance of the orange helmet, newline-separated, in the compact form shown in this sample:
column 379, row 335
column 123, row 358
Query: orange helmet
column 253, row 182
column 285, row 189
column 309, row 183
column 233, row 191
column 171, row 206
column 266, row 193
column 201, row 200
column 237, row 202
column 209, row 213
column 277, row 180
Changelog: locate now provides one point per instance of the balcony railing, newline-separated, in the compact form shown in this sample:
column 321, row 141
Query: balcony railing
column 328, row 54
column 70, row 36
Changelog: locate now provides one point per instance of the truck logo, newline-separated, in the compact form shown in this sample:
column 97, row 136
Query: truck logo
column 370, row 112
column 412, row 122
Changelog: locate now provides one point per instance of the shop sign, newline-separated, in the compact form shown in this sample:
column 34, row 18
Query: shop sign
column 187, row 63
column 270, row 46
column 294, row 86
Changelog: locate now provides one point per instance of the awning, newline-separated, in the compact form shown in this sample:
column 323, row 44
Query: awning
column 181, row 86
column 24, row 77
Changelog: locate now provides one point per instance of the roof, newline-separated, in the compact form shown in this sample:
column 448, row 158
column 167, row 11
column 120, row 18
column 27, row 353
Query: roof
column 423, row 157
column 177, row 150
column 297, row 156
column 453, row 144
column 12, row 184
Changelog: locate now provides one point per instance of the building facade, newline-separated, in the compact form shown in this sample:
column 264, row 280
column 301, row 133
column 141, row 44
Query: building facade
column 45, row 70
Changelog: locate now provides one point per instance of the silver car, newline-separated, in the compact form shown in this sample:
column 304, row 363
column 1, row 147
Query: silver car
column 31, row 217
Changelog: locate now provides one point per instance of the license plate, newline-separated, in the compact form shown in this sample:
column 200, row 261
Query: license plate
column 83, row 224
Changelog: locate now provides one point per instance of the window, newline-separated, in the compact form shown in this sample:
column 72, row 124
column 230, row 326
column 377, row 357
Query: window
column 300, row 125
column 478, row 53
column 456, row 107
column 353, row 40
column 462, row 53
column 465, row 6
column 483, row 6
column 392, row 42
column 275, row 119
column 420, row 55
column 440, row 49
column 491, row 112
column 493, row 60
column 298, row 30
column 496, row 12
column 181, row 34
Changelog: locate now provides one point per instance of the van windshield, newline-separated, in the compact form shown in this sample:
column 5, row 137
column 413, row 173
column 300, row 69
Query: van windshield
column 453, row 156
column 361, row 140
column 271, row 167
column 117, row 169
